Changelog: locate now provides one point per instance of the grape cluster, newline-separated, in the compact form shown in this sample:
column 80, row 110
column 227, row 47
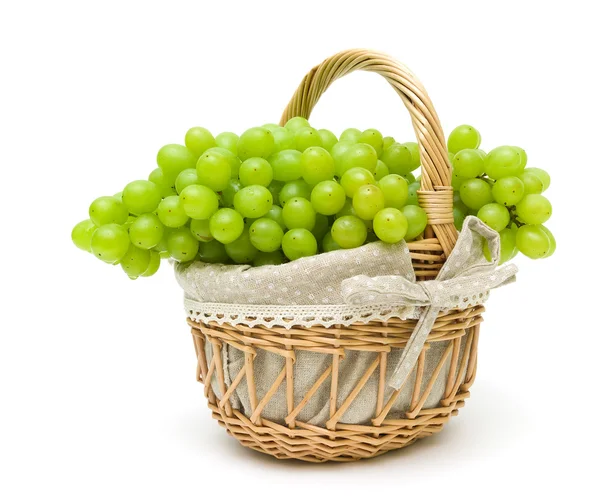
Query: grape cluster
column 499, row 189
column 276, row 194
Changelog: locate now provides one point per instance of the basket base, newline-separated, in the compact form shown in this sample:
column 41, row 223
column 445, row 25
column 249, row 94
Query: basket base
column 348, row 443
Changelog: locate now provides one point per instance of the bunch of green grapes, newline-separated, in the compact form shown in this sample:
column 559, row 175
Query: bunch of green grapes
column 272, row 195
column 500, row 190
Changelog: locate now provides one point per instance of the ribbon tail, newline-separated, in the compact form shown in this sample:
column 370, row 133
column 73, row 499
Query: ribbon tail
column 413, row 347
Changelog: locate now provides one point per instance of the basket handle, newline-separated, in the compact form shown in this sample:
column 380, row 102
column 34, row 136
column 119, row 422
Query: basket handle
column 436, row 195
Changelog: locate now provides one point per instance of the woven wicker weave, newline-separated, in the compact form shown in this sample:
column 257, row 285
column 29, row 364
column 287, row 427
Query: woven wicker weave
column 459, row 330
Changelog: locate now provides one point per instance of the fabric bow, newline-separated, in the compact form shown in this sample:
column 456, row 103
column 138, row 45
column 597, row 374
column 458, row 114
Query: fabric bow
column 465, row 280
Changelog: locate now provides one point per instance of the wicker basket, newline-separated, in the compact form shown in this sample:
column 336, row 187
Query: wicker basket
column 455, row 331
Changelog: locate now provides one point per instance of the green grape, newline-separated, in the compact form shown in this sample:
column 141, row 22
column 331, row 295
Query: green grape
column 508, row 246
column 381, row 170
column 228, row 140
column 171, row 213
column 119, row 196
column 412, row 197
column 200, row 228
column 494, row 215
column 242, row 251
column 234, row 161
column 153, row 266
column 349, row 231
column 286, row 165
column 327, row 138
column 388, row 141
column 337, row 153
column 186, row 178
column 214, row 170
column 459, row 217
column 135, row 261
column 253, row 201
column 108, row 210
column 503, row 161
column 468, row 164
column 213, row 252
column 283, row 139
column 457, row 181
column 475, row 193
column 347, row 209
column 463, row 137
column 390, row 225
column 228, row 194
column 271, row 126
column 522, row 156
column 276, row 214
column 268, row 259
column 358, row 155
column 199, row 202
column 299, row 213
column 266, row 235
column 351, row 135
column 296, row 123
column 415, row 154
column 165, row 187
column 367, row 201
column 531, row 182
column 328, row 244
column 82, row 235
column 256, row 142
column 226, row 225
column 327, row 197
column 174, row 159
column 307, row 137
column 316, row 165
column 110, row 243
column 275, row 188
column 417, row 221
column 508, row 191
column 198, row 140
column 533, row 241
column 398, row 159
column 457, row 202
column 141, row 197
column 321, row 226
column 146, row 231
column 256, row 171
column 395, row 190
column 161, row 246
column 355, row 177
column 373, row 138
column 534, row 209
column 182, row 245
column 298, row 243
column 551, row 238
column 294, row 189
column 542, row 175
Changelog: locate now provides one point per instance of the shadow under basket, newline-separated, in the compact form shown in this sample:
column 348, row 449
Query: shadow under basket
column 328, row 415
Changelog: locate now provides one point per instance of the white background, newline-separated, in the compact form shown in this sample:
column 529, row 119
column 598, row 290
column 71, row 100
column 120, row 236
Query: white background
column 97, row 391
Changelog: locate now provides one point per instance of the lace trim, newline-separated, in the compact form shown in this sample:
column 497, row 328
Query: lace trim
column 290, row 316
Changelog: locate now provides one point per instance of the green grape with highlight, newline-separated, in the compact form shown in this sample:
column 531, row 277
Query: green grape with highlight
column 417, row 221
column 141, row 197
column 198, row 140
column 199, row 202
column 108, row 210
column 294, row 189
column 226, row 225
column 135, row 262
column 299, row 213
column 307, row 137
column 355, row 177
column 475, row 193
column 256, row 142
column 253, row 201
column 494, row 215
column 508, row 191
column 463, row 137
column 316, row 165
column 395, row 190
column 174, row 159
column 182, row 245
column 328, row 138
column 367, row 201
column 171, row 213
column 266, row 235
column 327, row 198
column 349, row 231
column 373, row 138
column 82, row 235
column 214, row 170
column 146, row 231
column 298, row 243
column 390, row 225
column 286, row 165
column 185, row 179
column 110, row 243
column 534, row 209
column 256, row 171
